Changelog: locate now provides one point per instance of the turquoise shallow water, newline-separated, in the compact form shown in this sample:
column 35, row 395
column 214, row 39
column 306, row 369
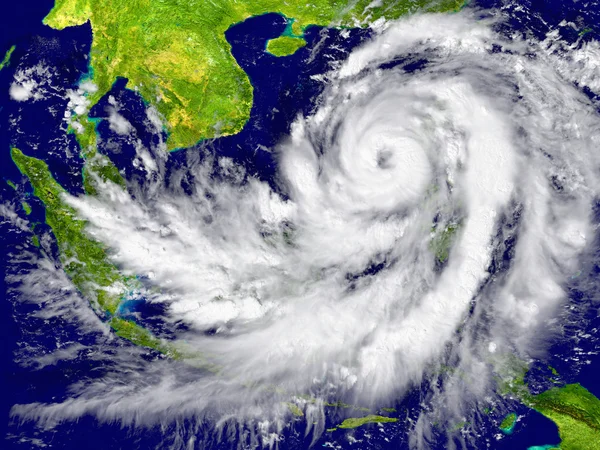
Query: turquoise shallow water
column 509, row 429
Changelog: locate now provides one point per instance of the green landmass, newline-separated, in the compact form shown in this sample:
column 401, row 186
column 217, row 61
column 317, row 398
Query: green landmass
column 174, row 52
column 6, row 61
column 389, row 410
column 293, row 29
column 345, row 405
column 294, row 409
column 574, row 409
column 355, row 422
column 285, row 45
column 459, row 425
column 585, row 31
column 576, row 412
column 84, row 259
column 441, row 243
column 508, row 423
column 131, row 331
column 99, row 169
column 26, row 207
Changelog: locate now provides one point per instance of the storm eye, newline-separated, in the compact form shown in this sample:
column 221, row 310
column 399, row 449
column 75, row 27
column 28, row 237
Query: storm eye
column 384, row 158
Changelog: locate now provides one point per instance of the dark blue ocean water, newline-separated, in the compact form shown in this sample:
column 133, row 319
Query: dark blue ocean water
column 283, row 89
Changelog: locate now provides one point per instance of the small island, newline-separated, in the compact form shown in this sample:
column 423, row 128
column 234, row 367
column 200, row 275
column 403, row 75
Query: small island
column 508, row 424
column 355, row 422
column 285, row 45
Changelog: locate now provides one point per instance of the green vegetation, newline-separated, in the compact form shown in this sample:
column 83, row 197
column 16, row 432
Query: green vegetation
column 100, row 168
column 355, row 422
column 6, row 61
column 131, row 331
column 294, row 409
column 576, row 412
column 574, row 409
column 293, row 29
column 88, row 137
column 510, row 375
column 97, row 166
column 345, row 405
column 509, row 422
column 459, row 426
column 26, row 207
column 84, row 260
column 442, row 241
column 389, row 410
column 285, row 45
column 24, row 204
column 174, row 52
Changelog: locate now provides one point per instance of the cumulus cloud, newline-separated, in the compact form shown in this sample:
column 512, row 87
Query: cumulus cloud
column 117, row 122
column 32, row 83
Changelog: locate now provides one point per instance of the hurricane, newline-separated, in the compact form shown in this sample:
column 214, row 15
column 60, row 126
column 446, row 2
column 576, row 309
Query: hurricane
column 428, row 213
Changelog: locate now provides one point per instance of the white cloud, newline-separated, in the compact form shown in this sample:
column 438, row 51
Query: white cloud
column 31, row 83
column 118, row 123
column 282, row 283
column 23, row 91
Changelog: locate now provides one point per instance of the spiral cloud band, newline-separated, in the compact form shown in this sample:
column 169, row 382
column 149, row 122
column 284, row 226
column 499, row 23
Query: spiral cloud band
column 430, row 145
